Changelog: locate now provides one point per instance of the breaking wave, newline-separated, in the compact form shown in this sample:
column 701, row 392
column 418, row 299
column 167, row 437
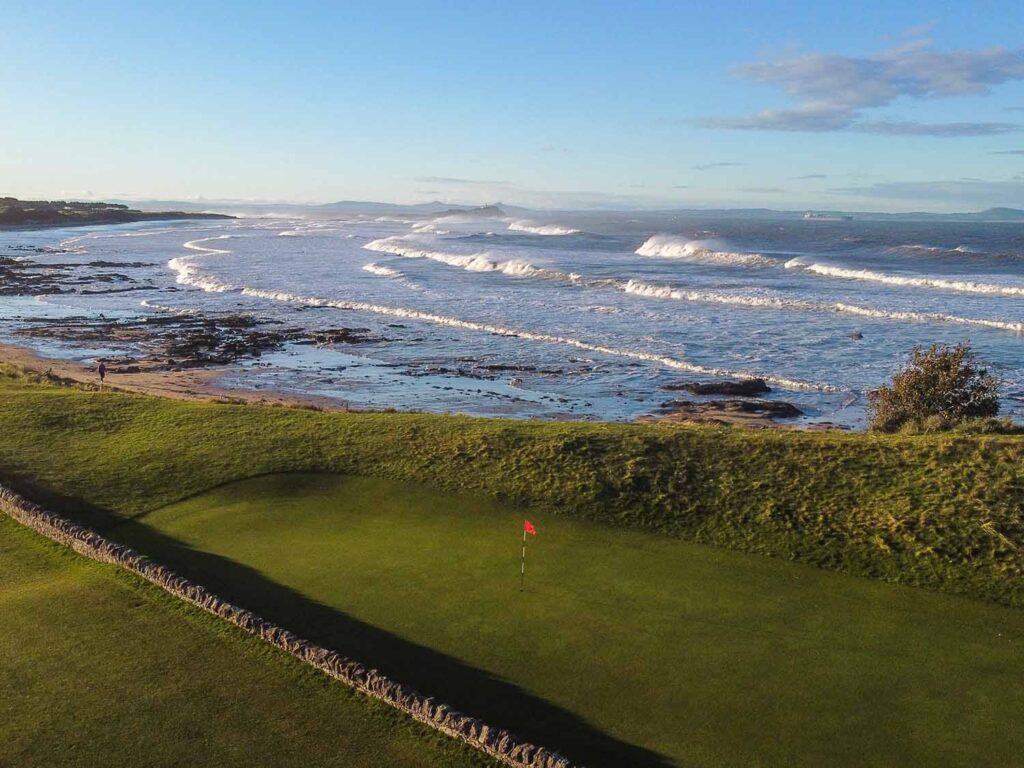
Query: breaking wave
column 552, row 230
column 699, row 252
column 959, row 250
column 187, row 271
column 193, row 245
column 963, row 286
column 472, row 262
column 208, row 283
column 380, row 270
column 638, row 288
column 482, row 263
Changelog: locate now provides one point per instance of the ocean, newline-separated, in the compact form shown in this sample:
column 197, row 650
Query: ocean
column 557, row 316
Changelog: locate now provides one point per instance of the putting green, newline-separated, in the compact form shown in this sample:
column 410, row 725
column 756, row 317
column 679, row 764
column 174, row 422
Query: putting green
column 625, row 648
column 98, row 668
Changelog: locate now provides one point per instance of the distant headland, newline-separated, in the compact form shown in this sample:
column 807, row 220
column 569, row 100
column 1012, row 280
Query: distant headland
column 58, row 213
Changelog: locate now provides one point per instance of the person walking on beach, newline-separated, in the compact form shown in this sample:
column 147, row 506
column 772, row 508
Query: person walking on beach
column 103, row 374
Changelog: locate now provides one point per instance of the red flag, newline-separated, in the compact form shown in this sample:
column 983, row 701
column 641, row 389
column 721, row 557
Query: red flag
column 528, row 527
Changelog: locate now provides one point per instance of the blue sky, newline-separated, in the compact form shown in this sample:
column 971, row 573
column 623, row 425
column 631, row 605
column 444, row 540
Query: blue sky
column 876, row 105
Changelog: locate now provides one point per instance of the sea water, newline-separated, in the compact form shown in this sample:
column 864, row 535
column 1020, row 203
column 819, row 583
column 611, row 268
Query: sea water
column 572, row 315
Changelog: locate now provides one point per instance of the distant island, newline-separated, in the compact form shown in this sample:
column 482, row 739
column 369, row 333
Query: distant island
column 59, row 213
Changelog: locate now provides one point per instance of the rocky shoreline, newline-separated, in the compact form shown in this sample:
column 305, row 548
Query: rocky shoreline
column 178, row 342
column 139, row 348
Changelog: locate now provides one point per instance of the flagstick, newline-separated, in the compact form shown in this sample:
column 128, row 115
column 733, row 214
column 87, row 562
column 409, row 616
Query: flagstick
column 522, row 572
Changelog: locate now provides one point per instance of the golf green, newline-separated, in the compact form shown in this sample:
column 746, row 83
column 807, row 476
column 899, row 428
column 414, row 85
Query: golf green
column 98, row 668
column 625, row 647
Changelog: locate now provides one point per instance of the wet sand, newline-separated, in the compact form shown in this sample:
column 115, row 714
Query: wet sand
column 192, row 384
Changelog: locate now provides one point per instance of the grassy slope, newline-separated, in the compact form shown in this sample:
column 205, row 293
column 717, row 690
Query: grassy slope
column 100, row 668
column 943, row 512
column 710, row 657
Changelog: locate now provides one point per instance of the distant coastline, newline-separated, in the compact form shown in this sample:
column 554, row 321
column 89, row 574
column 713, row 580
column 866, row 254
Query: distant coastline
column 45, row 214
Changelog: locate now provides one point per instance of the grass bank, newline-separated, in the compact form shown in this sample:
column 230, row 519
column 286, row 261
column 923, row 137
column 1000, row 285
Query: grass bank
column 100, row 668
column 939, row 511
column 626, row 648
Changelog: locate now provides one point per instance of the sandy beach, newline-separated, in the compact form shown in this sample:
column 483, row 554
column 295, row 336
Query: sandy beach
column 194, row 384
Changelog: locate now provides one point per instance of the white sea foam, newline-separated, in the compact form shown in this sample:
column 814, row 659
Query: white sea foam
column 380, row 270
column 208, row 283
column 699, row 252
column 934, row 317
column 193, row 245
column 188, row 272
column 928, row 249
column 473, row 262
column 550, row 230
column 169, row 310
column 638, row 288
column 963, row 286
column 482, row 263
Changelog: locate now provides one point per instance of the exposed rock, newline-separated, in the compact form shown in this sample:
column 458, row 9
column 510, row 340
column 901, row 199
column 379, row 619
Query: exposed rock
column 745, row 388
column 342, row 336
column 190, row 341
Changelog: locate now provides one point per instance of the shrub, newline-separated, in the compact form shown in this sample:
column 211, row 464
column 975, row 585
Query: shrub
column 940, row 388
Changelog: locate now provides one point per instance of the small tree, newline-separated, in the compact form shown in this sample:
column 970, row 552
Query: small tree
column 941, row 383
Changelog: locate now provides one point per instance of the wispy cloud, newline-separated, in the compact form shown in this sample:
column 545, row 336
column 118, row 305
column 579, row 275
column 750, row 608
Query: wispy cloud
column 811, row 176
column 710, row 166
column 914, row 128
column 762, row 190
column 957, row 193
column 1008, row 152
column 920, row 30
column 834, row 92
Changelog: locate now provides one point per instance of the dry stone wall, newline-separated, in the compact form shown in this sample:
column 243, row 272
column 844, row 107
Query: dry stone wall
column 495, row 742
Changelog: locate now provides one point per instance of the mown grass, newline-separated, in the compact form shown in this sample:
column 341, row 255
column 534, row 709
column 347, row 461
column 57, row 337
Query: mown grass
column 98, row 668
column 939, row 511
column 697, row 656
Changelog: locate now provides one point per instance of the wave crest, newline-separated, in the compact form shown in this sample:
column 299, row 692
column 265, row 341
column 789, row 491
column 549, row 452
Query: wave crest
column 380, row 270
column 886, row 278
column 549, row 230
column 638, row 288
column 699, row 252
column 471, row 262
column 193, row 277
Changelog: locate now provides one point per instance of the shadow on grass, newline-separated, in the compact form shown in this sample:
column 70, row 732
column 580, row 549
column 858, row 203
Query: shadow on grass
column 472, row 691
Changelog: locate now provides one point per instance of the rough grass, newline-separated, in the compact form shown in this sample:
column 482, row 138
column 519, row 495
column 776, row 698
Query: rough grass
column 701, row 655
column 939, row 511
column 99, row 668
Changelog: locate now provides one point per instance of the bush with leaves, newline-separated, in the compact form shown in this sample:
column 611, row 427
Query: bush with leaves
column 941, row 387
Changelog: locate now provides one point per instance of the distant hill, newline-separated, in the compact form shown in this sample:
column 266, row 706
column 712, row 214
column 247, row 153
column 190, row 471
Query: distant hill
column 436, row 208
column 482, row 212
column 1001, row 214
column 60, row 213
column 359, row 206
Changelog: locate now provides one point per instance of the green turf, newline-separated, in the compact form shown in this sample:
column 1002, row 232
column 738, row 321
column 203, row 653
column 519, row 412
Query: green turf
column 942, row 511
column 708, row 657
column 98, row 668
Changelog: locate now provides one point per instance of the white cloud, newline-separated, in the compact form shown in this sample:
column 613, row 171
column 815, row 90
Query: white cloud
column 833, row 92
